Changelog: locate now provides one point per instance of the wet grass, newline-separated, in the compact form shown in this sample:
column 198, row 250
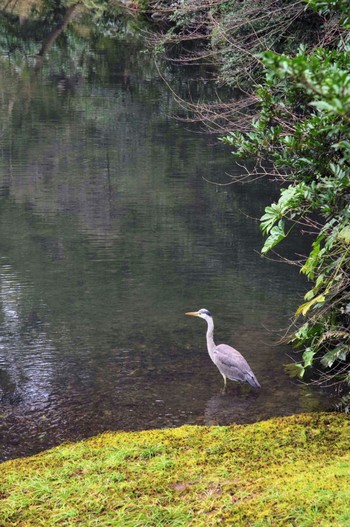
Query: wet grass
column 290, row 472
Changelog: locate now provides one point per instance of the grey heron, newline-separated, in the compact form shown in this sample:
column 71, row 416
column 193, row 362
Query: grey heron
column 230, row 363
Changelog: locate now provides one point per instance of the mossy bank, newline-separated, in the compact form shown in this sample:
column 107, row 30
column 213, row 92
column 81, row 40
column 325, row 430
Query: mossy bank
column 292, row 471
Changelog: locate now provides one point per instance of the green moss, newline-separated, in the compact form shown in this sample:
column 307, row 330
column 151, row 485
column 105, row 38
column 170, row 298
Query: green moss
column 292, row 471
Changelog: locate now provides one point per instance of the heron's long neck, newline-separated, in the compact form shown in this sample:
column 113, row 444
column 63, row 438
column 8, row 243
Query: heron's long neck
column 210, row 336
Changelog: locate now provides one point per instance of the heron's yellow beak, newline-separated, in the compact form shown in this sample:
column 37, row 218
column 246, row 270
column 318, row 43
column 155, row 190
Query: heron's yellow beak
column 193, row 313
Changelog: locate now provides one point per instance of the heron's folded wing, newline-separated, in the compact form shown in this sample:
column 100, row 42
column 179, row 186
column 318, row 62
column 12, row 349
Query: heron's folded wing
column 231, row 363
column 231, row 357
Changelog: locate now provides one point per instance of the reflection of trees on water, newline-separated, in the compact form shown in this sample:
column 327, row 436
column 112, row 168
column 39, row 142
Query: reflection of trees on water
column 51, row 38
column 114, row 138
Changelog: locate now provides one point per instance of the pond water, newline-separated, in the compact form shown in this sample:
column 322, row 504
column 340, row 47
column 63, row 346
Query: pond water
column 109, row 233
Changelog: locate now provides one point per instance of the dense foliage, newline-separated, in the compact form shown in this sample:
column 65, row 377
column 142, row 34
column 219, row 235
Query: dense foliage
column 303, row 128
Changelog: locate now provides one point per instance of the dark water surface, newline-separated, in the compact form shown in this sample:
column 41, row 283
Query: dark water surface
column 108, row 234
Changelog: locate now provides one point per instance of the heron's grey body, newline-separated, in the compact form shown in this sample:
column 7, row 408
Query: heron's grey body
column 230, row 363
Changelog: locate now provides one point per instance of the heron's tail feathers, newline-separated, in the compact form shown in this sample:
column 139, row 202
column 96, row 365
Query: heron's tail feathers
column 252, row 380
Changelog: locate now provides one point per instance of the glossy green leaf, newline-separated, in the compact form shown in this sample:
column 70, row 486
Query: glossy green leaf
column 277, row 234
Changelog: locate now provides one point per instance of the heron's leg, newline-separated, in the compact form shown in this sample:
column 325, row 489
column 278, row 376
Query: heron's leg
column 225, row 383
